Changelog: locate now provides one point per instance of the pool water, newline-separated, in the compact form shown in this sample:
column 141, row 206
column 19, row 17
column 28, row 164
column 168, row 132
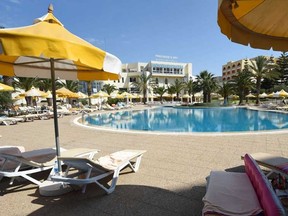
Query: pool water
column 170, row 119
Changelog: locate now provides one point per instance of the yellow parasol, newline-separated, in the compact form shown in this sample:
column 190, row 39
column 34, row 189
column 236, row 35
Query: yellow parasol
column 100, row 94
column 283, row 93
column 81, row 95
column 258, row 23
column 250, row 96
column 64, row 92
column 116, row 95
column 33, row 92
column 4, row 87
column 47, row 50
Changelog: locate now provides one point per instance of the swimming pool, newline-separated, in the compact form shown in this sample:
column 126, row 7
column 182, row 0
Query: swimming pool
column 171, row 119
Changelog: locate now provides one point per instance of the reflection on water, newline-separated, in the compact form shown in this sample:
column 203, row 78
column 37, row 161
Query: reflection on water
column 168, row 119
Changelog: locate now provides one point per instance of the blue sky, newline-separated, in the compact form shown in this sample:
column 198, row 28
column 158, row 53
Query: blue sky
column 137, row 30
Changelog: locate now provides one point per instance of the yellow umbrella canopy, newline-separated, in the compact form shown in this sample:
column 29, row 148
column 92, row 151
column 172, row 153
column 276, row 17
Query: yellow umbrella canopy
column 64, row 92
column 4, row 87
column 271, row 94
column 186, row 96
column 250, row 96
column 258, row 23
column 82, row 95
column 100, row 94
column 47, row 50
column 28, row 51
column 127, row 95
column 116, row 95
column 283, row 93
column 263, row 95
column 33, row 92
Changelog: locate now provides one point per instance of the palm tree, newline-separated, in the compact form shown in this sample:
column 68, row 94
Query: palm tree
column 171, row 90
column 225, row 90
column 242, row 83
column 160, row 91
column 89, row 90
column 260, row 69
column 282, row 67
column 109, row 88
column 45, row 84
column 25, row 84
column 72, row 85
column 142, row 84
column 178, row 86
column 191, row 87
column 207, row 83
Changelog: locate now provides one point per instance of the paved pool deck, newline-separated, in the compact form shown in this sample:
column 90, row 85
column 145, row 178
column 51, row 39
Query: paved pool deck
column 170, row 181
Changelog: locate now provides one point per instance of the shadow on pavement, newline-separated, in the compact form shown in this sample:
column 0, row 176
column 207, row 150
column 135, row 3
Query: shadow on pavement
column 125, row 200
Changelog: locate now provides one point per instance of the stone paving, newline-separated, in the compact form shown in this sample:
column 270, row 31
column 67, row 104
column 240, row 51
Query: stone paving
column 170, row 181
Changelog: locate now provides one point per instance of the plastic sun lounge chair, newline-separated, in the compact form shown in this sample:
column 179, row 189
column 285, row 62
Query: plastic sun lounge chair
column 5, row 120
column 23, row 164
column 92, row 171
column 276, row 164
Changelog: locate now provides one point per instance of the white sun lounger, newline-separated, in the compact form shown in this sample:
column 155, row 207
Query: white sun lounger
column 30, row 162
column 92, row 171
column 274, row 163
column 10, row 120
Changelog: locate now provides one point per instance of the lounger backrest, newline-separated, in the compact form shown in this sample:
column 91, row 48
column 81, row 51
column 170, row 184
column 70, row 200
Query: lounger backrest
column 266, row 196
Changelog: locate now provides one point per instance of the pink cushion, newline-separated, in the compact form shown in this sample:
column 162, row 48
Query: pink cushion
column 266, row 195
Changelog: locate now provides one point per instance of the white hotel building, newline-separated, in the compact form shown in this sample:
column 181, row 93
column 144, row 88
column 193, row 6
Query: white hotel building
column 164, row 73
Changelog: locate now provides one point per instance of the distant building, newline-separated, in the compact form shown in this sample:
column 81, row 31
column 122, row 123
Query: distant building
column 232, row 68
column 164, row 73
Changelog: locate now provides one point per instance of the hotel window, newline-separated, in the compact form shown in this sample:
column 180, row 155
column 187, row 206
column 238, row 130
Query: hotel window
column 157, row 81
column 122, row 79
column 132, row 79
column 166, row 81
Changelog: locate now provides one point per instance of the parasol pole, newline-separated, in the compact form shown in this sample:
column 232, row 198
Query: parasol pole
column 52, row 61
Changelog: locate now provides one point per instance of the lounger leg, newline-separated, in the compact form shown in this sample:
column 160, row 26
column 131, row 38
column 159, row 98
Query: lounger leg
column 113, row 183
column 87, row 176
column 136, row 165
column 270, row 173
column 16, row 170
column 31, row 179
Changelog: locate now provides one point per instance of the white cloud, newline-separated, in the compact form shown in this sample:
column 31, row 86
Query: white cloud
column 95, row 41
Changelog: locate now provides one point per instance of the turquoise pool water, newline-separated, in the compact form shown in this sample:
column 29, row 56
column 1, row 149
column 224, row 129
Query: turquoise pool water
column 169, row 119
